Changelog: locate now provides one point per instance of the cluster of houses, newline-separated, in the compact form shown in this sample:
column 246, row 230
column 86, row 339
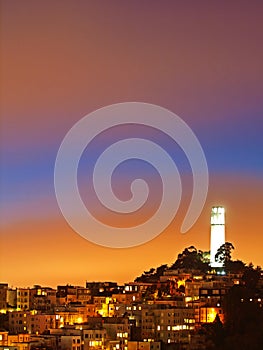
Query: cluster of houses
column 161, row 315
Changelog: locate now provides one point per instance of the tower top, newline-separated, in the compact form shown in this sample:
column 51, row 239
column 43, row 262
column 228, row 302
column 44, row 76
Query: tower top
column 218, row 216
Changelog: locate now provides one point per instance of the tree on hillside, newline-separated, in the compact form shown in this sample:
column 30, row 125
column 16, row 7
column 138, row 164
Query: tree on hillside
column 190, row 258
column 251, row 276
column 206, row 257
column 224, row 252
column 149, row 272
column 235, row 267
column 160, row 270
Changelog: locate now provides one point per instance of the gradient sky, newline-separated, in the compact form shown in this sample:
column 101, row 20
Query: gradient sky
column 63, row 60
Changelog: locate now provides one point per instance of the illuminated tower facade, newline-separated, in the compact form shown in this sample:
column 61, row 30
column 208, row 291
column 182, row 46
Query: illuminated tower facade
column 217, row 233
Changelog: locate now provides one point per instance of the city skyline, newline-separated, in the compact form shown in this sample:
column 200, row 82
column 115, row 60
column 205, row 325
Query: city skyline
column 202, row 62
column 164, row 308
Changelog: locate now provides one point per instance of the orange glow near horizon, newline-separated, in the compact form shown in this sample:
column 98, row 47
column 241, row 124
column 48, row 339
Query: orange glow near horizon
column 51, row 253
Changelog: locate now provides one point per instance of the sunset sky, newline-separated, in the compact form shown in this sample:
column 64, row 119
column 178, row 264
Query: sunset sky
column 62, row 60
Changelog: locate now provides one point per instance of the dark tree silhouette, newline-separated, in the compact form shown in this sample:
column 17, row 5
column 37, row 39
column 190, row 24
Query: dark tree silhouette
column 224, row 252
column 251, row 276
column 191, row 259
column 160, row 270
column 235, row 267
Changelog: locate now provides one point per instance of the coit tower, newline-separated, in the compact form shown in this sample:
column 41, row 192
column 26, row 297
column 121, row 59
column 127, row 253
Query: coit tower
column 217, row 237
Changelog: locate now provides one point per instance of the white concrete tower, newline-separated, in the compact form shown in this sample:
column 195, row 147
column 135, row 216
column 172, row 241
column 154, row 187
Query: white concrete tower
column 217, row 237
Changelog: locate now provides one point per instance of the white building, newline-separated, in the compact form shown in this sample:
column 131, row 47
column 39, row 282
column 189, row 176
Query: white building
column 217, row 233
